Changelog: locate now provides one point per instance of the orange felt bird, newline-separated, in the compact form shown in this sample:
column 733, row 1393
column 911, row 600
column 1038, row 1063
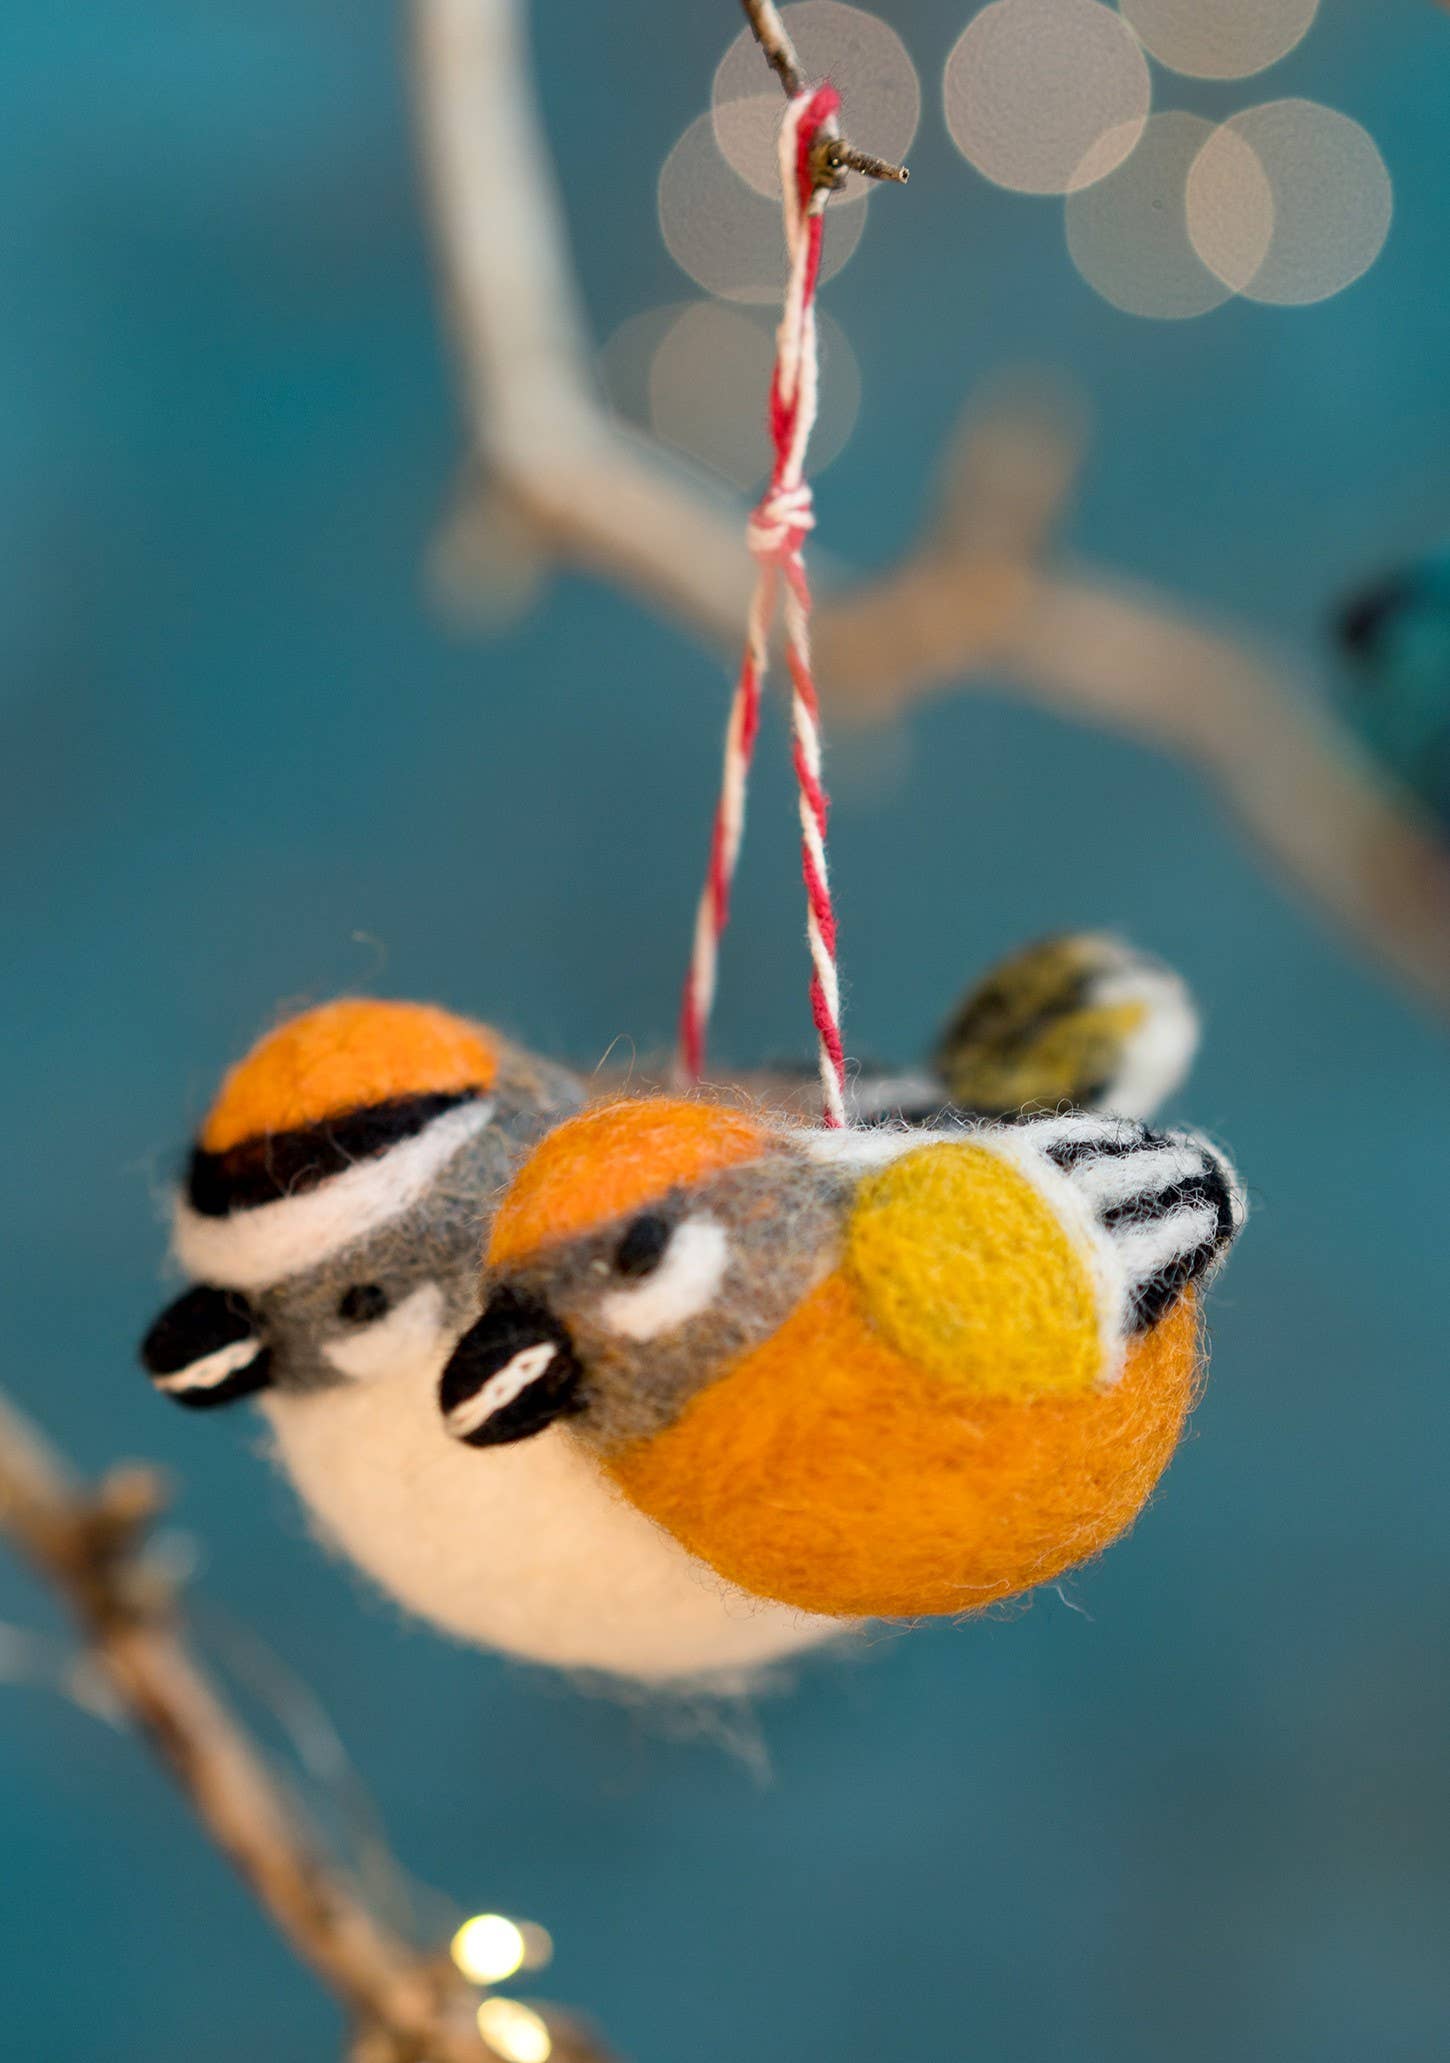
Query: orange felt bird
column 865, row 1373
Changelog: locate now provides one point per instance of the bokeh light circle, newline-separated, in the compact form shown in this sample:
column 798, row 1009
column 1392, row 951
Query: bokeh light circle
column 746, row 135
column 862, row 56
column 708, row 382
column 1128, row 234
column 729, row 240
column 1046, row 96
column 1229, row 202
column 1326, row 189
column 698, row 372
column 1220, row 39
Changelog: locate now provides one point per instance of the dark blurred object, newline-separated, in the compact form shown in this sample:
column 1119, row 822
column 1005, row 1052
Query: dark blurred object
column 1396, row 636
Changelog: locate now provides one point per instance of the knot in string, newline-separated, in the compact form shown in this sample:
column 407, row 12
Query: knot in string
column 782, row 522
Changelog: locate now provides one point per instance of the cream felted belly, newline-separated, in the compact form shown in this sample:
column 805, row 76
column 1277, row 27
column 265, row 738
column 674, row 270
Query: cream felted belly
column 527, row 1548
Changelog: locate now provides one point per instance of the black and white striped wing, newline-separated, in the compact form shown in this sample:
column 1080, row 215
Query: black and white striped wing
column 1161, row 1208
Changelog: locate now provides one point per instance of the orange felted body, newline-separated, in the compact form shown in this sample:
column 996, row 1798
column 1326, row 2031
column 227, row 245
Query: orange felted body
column 829, row 1472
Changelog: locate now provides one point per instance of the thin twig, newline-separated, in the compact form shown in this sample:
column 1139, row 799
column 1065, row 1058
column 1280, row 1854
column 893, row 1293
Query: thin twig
column 975, row 594
column 89, row 1546
column 835, row 156
column 775, row 42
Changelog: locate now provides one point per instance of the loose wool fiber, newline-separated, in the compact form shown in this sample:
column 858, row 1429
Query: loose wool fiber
column 831, row 1472
column 346, row 1056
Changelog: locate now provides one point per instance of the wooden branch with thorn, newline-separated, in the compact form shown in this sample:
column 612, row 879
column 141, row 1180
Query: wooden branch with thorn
column 833, row 157
column 90, row 1547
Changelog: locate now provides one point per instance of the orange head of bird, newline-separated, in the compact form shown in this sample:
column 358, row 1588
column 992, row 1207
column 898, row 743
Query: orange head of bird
column 333, row 1199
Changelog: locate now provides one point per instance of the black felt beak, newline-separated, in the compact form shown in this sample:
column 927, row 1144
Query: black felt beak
column 206, row 1349
column 512, row 1373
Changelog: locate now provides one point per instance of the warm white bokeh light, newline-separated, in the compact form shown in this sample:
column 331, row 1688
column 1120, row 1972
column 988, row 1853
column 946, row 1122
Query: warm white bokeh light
column 864, row 59
column 747, row 133
column 1327, row 194
column 1230, row 208
column 1046, row 96
column 1220, row 39
column 627, row 356
column 488, row 1948
column 1128, row 235
column 708, row 380
column 727, row 238
column 515, row 2032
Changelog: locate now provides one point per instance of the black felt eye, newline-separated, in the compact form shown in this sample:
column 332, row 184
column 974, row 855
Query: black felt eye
column 642, row 1248
column 363, row 1304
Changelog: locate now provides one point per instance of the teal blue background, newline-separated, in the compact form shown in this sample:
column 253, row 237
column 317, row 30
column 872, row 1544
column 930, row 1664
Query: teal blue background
column 1197, row 1804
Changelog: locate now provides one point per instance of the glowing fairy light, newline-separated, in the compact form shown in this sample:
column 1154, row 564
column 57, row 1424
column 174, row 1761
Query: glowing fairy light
column 1289, row 202
column 514, row 2031
column 1046, row 96
column 488, row 1948
column 1220, row 39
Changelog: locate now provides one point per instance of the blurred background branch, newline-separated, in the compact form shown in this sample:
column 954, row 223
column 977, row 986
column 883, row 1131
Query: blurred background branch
column 557, row 477
column 90, row 1546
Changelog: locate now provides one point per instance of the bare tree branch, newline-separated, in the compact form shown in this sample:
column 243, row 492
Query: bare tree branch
column 977, row 592
column 836, row 155
column 89, row 1546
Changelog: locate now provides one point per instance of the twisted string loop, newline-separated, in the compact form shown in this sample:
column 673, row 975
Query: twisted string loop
column 776, row 535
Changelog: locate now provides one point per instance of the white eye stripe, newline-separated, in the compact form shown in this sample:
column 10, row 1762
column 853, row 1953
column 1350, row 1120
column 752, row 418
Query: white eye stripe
column 683, row 1285
column 412, row 1328
column 212, row 1369
column 502, row 1387
column 255, row 1248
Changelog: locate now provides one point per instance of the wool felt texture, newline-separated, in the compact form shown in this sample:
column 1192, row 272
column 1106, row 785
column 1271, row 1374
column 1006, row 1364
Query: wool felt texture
column 345, row 1326
column 205, row 1351
column 323, row 1220
column 527, row 1548
column 965, row 1391
column 862, row 1489
column 336, row 1202
column 344, row 1057
column 258, row 1243
column 967, row 1271
column 612, row 1160
column 773, row 1221
column 272, row 1165
column 1080, row 1019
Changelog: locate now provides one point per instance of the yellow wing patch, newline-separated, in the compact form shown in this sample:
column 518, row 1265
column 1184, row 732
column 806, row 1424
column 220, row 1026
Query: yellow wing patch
column 965, row 1270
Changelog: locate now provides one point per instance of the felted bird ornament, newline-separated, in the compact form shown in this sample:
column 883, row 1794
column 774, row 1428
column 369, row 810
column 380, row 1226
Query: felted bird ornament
column 331, row 1219
column 875, row 1373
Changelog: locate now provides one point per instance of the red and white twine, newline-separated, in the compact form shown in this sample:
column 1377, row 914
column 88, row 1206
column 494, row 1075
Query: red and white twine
column 776, row 534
